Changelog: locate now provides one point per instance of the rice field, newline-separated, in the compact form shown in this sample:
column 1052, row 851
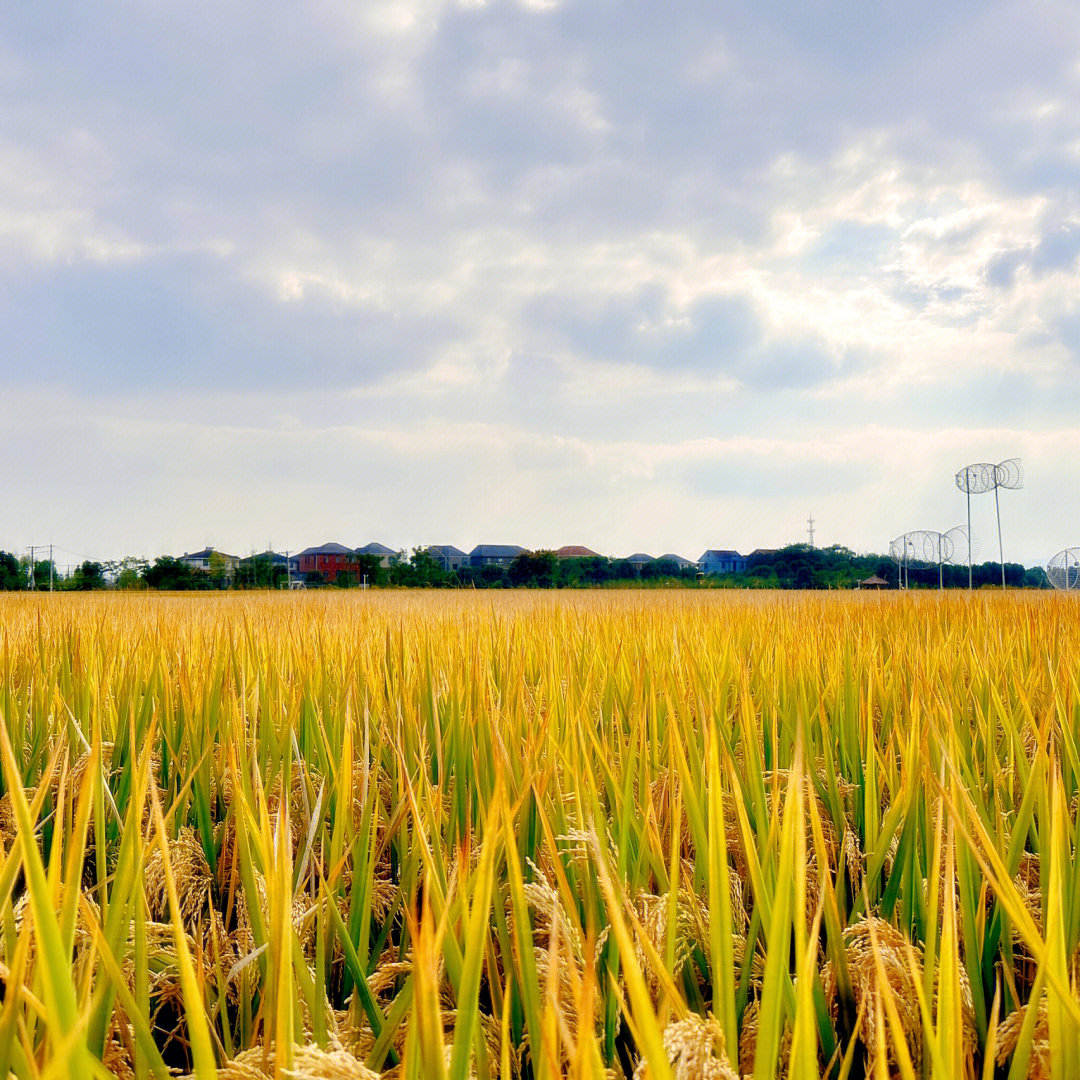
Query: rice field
column 667, row 835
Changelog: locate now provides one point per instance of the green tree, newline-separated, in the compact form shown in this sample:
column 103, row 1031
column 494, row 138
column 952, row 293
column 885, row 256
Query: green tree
column 170, row 574
column 88, row 575
column 12, row 573
column 535, row 569
column 260, row 572
column 220, row 570
column 45, row 574
column 581, row 571
column 420, row 571
column 369, row 568
column 128, row 572
column 1036, row 578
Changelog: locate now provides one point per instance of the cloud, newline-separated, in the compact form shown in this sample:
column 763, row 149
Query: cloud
column 533, row 255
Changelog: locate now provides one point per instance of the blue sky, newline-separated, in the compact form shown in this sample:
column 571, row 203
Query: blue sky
column 638, row 276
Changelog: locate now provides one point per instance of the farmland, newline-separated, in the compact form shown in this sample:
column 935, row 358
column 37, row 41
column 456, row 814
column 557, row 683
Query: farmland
column 671, row 835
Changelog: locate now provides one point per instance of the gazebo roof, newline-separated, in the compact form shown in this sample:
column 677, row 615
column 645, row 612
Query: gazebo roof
column 873, row 579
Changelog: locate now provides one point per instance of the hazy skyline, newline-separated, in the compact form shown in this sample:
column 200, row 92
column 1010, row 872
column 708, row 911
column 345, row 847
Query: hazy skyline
column 635, row 276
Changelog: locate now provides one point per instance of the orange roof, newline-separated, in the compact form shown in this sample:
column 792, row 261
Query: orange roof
column 576, row 551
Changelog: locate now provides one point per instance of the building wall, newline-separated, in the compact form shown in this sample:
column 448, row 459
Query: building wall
column 491, row 560
column 712, row 565
column 447, row 563
column 204, row 564
column 330, row 566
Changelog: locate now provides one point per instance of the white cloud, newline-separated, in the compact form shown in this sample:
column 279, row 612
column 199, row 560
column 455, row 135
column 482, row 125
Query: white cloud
column 464, row 268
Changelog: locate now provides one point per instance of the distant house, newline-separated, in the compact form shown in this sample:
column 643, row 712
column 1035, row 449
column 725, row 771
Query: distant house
column 291, row 563
column 722, row 561
column 679, row 561
column 386, row 556
column 638, row 560
column 200, row 560
column 329, row 560
column 449, row 558
column 495, row 554
column 576, row 551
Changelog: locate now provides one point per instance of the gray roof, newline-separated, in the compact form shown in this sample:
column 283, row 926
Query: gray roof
column 275, row 557
column 497, row 551
column 639, row 556
column 375, row 549
column 327, row 549
column 677, row 559
column 444, row 550
column 205, row 554
column 720, row 553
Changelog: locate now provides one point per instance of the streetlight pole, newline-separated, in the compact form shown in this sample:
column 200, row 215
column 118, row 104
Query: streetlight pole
column 1001, row 551
column 967, row 488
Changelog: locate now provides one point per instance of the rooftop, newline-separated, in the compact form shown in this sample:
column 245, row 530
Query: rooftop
column 327, row 549
column 576, row 551
column 272, row 556
column 375, row 549
column 205, row 554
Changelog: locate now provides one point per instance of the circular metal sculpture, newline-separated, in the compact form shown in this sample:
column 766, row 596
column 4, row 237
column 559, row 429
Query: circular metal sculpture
column 977, row 479
column 1063, row 570
column 925, row 546
column 982, row 477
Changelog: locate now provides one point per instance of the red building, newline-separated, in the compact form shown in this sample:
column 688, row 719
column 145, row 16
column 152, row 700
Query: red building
column 329, row 560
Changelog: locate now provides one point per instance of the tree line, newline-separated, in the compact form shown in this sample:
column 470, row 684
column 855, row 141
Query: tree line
column 797, row 566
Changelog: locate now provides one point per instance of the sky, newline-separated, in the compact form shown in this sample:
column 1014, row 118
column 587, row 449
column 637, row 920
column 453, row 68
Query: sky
column 645, row 277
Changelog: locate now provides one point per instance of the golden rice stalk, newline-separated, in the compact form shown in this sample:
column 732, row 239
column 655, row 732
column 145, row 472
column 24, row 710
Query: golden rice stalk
column 696, row 1050
column 691, row 930
column 748, row 1037
column 859, row 950
column 892, row 946
column 8, row 828
column 308, row 1063
column 194, row 882
column 1008, row 1034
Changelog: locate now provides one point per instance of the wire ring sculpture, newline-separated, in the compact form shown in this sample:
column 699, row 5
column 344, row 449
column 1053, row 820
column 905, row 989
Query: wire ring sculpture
column 926, row 546
column 1063, row 570
column 985, row 476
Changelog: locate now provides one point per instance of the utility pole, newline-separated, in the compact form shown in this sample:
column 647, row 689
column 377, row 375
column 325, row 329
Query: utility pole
column 810, row 523
column 51, row 569
column 32, row 581
column 288, row 570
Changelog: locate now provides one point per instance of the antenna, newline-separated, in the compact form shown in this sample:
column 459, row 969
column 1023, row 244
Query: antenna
column 810, row 523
